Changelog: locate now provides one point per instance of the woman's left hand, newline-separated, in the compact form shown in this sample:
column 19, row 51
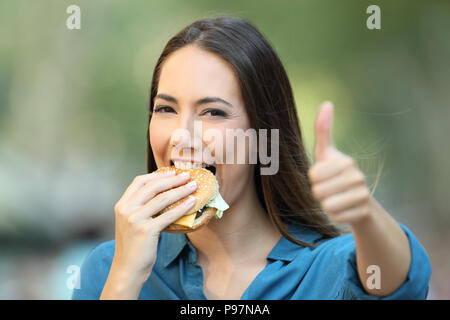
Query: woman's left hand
column 336, row 180
column 341, row 189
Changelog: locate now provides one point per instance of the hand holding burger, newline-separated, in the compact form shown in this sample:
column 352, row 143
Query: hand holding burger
column 169, row 199
column 208, row 201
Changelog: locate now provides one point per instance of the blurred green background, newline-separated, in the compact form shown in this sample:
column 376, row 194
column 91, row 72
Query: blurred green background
column 73, row 115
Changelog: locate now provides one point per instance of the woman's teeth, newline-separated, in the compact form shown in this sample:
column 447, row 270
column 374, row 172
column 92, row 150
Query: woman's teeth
column 188, row 165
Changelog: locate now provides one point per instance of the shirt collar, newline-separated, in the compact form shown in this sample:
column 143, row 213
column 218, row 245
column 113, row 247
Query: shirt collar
column 172, row 244
column 286, row 250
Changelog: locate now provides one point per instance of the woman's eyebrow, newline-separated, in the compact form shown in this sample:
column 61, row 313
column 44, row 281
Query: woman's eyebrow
column 198, row 102
column 212, row 99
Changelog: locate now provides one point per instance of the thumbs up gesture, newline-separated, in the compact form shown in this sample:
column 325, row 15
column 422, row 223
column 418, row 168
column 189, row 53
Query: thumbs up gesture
column 335, row 178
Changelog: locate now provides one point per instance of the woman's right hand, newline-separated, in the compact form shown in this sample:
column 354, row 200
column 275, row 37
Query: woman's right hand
column 137, row 233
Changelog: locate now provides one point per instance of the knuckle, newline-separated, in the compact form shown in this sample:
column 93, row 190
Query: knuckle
column 150, row 191
column 359, row 177
column 179, row 192
column 162, row 197
column 186, row 190
column 139, row 179
column 312, row 173
column 348, row 161
column 143, row 228
column 179, row 210
column 118, row 208
column 152, row 194
column 316, row 191
column 309, row 173
column 337, row 219
column 131, row 220
column 327, row 206
column 365, row 194
column 365, row 211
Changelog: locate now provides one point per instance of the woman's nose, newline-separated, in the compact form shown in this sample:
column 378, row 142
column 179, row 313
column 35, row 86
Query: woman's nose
column 187, row 135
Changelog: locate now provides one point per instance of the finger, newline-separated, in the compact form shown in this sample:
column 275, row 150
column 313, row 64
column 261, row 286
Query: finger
column 346, row 200
column 157, row 186
column 169, row 217
column 324, row 121
column 140, row 181
column 341, row 182
column 165, row 199
column 330, row 168
column 351, row 215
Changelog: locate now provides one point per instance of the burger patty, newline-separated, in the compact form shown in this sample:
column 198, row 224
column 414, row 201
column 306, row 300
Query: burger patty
column 199, row 213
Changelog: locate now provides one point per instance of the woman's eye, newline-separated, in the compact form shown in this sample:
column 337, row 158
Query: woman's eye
column 216, row 113
column 211, row 112
column 163, row 109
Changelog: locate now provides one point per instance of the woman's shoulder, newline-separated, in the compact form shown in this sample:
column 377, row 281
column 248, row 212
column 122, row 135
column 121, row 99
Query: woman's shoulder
column 345, row 243
column 322, row 249
column 103, row 253
column 339, row 252
column 94, row 271
column 320, row 243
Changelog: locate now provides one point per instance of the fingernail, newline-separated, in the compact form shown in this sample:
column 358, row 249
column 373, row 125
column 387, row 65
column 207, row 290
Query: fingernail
column 191, row 185
column 184, row 174
column 169, row 173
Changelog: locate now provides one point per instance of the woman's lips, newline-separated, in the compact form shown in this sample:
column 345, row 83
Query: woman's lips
column 189, row 164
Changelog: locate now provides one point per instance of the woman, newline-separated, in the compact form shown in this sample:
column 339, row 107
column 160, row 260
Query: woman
column 274, row 241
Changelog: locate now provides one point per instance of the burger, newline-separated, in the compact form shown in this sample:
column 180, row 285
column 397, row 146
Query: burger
column 208, row 201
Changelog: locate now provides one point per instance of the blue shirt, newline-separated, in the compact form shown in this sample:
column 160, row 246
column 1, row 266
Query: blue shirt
column 327, row 271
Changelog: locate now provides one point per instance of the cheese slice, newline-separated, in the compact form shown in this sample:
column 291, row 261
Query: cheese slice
column 187, row 221
column 216, row 202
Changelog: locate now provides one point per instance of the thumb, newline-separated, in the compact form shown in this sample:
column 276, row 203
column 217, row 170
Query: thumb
column 324, row 121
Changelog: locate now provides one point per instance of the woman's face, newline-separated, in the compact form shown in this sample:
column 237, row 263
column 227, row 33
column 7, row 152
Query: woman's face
column 188, row 76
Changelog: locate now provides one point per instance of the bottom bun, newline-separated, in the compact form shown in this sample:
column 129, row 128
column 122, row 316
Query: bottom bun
column 201, row 221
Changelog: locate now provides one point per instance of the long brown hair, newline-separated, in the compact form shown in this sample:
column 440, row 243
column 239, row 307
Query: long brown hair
column 269, row 102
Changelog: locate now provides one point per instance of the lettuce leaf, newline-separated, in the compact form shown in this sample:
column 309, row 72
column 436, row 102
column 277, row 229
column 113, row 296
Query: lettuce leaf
column 218, row 203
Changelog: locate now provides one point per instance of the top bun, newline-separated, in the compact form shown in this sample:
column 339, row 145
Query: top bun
column 207, row 188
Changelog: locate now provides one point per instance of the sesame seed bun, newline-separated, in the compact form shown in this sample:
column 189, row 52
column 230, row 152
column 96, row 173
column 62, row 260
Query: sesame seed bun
column 207, row 188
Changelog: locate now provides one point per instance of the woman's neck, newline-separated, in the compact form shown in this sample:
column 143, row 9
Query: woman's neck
column 244, row 232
